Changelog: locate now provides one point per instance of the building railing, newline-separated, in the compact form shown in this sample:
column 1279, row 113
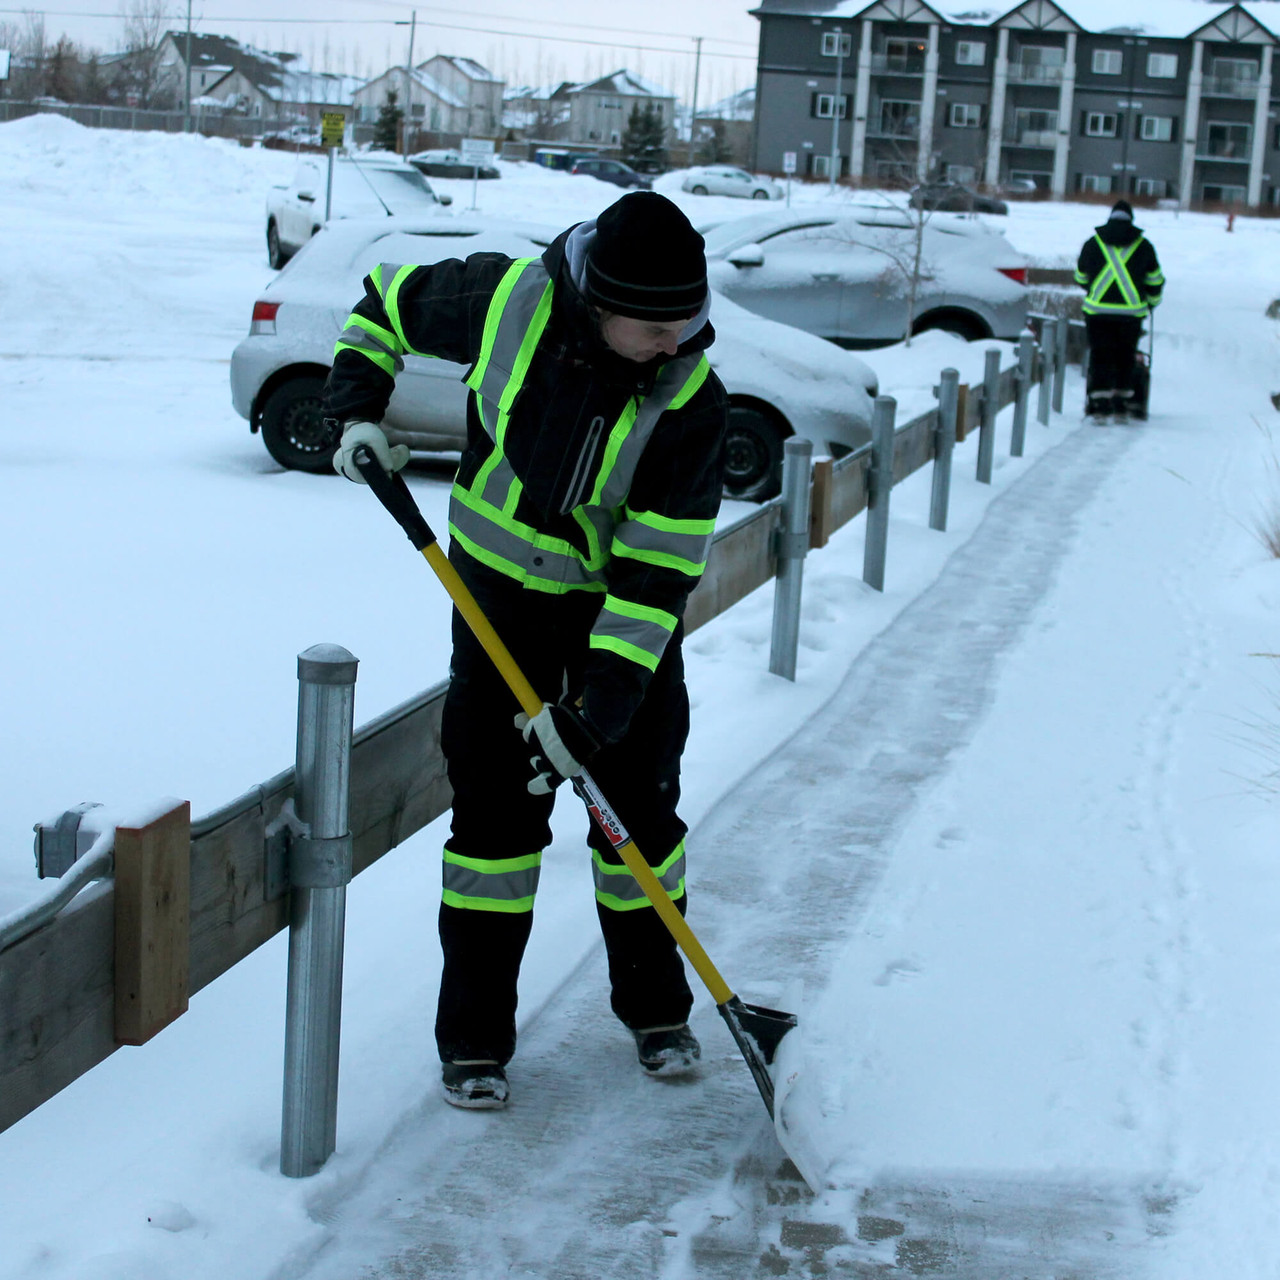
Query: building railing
column 911, row 64
column 1033, row 73
column 903, row 130
column 1228, row 149
column 1229, row 87
column 1015, row 137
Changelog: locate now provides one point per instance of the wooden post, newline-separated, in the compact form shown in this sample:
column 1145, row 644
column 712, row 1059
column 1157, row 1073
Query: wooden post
column 152, row 924
column 821, row 515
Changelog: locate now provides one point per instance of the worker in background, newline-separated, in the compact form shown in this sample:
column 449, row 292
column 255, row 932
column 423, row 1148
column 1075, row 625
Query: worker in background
column 1121, row 275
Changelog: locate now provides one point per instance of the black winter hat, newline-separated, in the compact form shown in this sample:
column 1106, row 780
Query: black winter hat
column 646, row 260
column 1123, row 210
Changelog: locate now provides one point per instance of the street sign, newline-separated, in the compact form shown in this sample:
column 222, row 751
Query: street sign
column 788, row 162
column 476, row 151
column 4, row 64
column 333, row 124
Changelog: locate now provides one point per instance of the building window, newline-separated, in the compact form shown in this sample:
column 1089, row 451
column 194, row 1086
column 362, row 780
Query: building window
column 962, row 173
column 899, row 118
column 1216, row 193
column 965, row 115
column 1235, row 69
column 971, row 53
column 1035, row 127
column 1156, row 129
column 1157, row 187
column 1107, row 62
column 819, row 166
column 836, row 44
column 823, row 103
column 1100, row 182
column 1226, row 141
column 1162, row 66
column 1099, row 124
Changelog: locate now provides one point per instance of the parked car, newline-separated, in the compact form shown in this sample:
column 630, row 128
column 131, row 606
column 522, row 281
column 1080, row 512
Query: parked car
column 780, row 381
column 448, row 164
column 954, row 197
column 726, row 180
column 362, row 186
column 1021, row 189
column 621, row 175
column 845, row 276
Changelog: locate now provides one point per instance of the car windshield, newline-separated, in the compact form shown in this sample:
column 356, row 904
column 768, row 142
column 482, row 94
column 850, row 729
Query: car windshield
column 403, row 190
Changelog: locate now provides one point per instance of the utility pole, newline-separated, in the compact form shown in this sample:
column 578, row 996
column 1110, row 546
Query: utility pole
column 187, row 58
column 408, row 85
column 1131, row 51
column 835, row 110
column 693, row 112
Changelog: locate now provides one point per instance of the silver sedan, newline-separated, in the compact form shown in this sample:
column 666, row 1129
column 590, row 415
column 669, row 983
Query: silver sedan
column 727, row 180
column 781, row 382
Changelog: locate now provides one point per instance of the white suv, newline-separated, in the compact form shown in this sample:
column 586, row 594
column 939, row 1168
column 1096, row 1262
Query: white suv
column 363, row 186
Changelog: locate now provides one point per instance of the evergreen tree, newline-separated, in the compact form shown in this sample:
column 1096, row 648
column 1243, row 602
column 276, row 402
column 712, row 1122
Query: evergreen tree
column 644, row 144
column 386, row 130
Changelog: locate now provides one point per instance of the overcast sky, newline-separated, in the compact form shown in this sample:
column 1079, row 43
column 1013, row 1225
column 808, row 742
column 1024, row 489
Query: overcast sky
column 529, row 43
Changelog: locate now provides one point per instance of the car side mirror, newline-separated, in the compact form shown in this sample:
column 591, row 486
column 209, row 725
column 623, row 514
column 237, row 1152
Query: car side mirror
column 444, row 199
column 750, row 255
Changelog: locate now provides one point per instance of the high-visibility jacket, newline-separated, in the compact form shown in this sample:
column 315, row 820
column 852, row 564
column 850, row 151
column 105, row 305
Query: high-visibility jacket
column 1119, row 271
column 572, row 480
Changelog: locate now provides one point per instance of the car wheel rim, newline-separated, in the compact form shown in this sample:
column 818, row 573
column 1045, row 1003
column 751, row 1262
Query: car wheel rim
column 303, row 427
column 745, row 459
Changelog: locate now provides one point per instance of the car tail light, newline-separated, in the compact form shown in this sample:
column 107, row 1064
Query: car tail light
column 264, row 317
column 1018, row 274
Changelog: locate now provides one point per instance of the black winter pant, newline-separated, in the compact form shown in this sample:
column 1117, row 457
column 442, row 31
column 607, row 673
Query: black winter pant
column 1113, row 348
column 495, row 817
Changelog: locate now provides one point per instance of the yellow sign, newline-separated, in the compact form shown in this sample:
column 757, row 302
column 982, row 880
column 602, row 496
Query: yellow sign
column 333, row 125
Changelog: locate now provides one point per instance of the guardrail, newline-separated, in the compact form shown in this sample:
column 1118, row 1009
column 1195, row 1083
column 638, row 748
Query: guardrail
column 173, row 904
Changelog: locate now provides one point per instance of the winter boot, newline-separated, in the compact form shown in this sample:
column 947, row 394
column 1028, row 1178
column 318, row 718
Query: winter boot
column 477, row 1086
column 667, row 1051
column 1098, row 409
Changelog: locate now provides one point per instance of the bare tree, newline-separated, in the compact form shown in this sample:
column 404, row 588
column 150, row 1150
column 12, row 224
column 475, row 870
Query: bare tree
column 26, row 41
column 145, row 24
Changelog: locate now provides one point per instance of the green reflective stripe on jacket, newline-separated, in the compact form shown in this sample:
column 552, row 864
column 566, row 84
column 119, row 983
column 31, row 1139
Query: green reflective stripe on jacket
column 482, row 514
column 481, row 884
column 1115, row 273
column 616, row 887
column 372, row 340
column 636, row 631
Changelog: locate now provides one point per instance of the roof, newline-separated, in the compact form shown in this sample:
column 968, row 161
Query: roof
column 280, row 77
column 468, row 66
column 738, row 106
column 424, row 80
column 623, row 83
column 1169, row 18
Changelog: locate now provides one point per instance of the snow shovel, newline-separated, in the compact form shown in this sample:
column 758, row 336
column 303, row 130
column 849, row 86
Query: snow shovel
column 757, row 1031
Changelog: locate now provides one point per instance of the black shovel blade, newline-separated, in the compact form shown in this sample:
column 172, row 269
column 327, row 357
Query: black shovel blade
column 758, row 1032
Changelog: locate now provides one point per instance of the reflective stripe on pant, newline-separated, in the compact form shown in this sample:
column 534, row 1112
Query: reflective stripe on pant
column 499, row 829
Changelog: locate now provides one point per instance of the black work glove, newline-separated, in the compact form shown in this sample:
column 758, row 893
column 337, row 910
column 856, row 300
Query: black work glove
column 562, row 744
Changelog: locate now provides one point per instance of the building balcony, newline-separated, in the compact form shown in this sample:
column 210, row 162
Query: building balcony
column 898, row 131
column 1027, row 73
column 1229, row 87
column 1043, row 138
column 1222, row 152
column 897, row 64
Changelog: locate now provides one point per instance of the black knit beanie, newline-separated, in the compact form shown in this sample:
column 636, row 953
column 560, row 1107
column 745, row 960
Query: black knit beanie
column 1123, row 210
column 646, row 260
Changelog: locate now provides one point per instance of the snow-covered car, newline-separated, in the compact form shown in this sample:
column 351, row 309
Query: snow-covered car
column 780, row 381
column 847, row 276
column 727, row 180
column 363, row 186
column 448, row 163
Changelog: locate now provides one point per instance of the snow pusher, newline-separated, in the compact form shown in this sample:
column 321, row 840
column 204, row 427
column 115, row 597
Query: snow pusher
column 757, row 1031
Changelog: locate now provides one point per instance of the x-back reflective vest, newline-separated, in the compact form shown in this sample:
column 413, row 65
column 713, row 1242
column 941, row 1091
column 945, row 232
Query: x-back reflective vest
column 1126, row 299
column 482, row 514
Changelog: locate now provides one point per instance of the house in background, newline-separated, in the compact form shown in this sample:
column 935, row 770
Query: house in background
column 725, row 129
column 447, row 98
column 600, row 109
column 475, row 86
column 1173, row 99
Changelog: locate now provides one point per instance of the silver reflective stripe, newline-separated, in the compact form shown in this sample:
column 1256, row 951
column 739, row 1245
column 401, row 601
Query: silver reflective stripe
column 508, row 883
column 652, row 637
column 357, row 336
column 693, row 547
column 617, row 888
column 492, row 380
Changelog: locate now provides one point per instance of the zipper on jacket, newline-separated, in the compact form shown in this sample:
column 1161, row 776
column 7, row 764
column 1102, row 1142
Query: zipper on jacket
column 582, row 471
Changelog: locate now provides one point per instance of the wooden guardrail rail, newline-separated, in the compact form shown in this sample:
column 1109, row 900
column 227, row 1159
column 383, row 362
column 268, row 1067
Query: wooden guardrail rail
column 121, row 961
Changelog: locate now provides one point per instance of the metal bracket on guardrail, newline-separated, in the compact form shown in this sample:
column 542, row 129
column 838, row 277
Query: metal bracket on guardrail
column 59, row 843
column 790, row 546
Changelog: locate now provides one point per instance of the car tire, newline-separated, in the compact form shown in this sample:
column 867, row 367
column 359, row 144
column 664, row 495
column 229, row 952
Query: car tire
column 759, row 195
column 752, row 456
column 698, row 191
column 293, row 429
column 964, row 324
column 276, row 255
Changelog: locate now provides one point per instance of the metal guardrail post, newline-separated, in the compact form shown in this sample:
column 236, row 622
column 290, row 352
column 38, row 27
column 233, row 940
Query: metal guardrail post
column 880, row 485
column 990, row 407
column 792, row 546
column 1048, row 354
column 1026, row 353
column 944, row 443
column 319, row 871
column 1060, row 364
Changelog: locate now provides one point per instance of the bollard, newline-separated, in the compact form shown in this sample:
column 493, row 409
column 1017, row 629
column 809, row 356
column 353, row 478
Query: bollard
column 879, row 487
column 791, row 546
column 319, row 872
column 1026, row 353
column 1048, row 346
column 1060, row 363
column 944, row 443
column 990, row 406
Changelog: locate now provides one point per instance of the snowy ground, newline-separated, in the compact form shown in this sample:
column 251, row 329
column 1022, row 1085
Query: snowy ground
column 1012, row 826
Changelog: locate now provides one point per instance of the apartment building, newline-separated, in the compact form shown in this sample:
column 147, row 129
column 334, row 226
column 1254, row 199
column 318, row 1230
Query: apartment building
column 1166, row 98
